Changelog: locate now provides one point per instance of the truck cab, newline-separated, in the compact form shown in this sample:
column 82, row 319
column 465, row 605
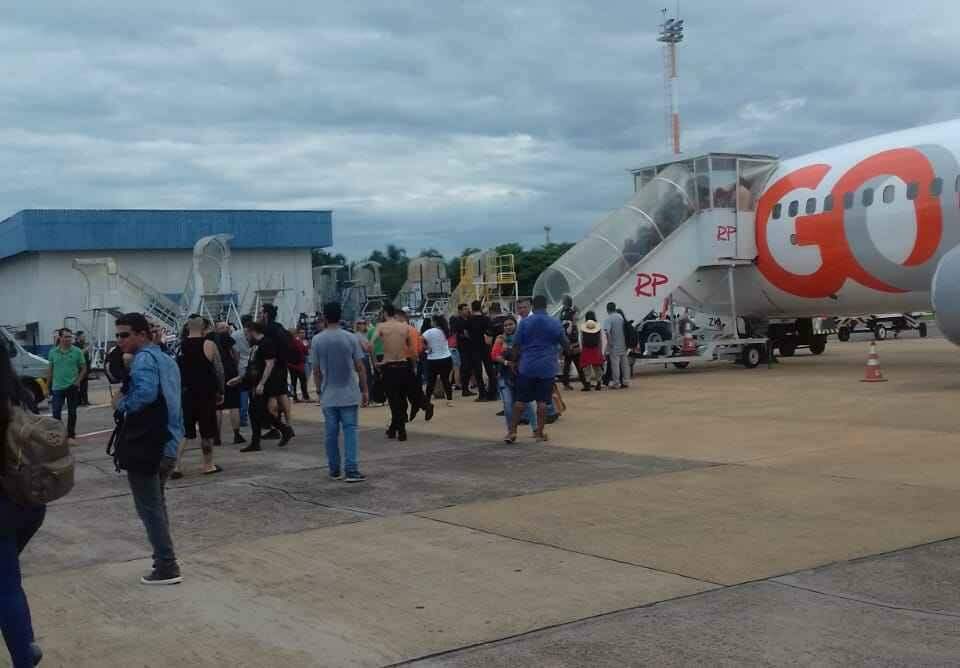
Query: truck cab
column 30, row 368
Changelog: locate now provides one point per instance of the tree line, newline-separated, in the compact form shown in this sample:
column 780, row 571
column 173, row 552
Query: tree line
column 394, row 260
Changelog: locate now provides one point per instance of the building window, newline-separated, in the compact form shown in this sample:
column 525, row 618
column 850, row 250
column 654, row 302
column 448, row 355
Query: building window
column 794, row 209
column 811, row 206
column 847, row 200
column 777, row 210
column 912, row 190
column 867, row 197
column 936, row 187
column 889, row 193
column 828, row 203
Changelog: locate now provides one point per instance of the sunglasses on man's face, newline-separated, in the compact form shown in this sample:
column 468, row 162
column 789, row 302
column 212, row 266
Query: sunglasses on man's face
column 123, row 335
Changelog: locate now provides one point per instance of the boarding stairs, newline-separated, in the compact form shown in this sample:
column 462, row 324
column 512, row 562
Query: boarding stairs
column 115, row 292
column 682, row 219
column 673, row 235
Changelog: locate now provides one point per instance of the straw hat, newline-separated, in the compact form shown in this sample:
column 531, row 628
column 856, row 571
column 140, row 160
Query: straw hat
column 590, row 327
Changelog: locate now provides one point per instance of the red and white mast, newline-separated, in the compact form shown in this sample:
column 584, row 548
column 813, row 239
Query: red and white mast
column 671, row 34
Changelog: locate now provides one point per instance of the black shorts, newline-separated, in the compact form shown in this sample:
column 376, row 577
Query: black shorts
column 199, row 411
column 534, row 389
column 231, row 399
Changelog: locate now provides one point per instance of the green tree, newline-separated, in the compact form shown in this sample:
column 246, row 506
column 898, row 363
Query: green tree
column 319, row 257
column 430, row 252
column 510, row 249
column 531, row 263
column 393, row 268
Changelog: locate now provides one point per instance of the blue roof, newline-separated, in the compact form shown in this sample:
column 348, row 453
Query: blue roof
column 35, row 230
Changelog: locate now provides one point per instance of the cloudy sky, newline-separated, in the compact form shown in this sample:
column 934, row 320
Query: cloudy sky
column 436, row 123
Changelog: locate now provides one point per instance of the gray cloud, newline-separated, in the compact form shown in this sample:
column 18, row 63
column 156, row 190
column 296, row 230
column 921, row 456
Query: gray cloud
column 437, row 124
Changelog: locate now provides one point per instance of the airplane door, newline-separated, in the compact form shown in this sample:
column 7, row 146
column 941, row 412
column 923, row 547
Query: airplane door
column 752, row 175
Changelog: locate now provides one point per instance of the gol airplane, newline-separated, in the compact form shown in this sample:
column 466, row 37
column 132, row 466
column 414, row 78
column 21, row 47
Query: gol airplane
column 867, row 227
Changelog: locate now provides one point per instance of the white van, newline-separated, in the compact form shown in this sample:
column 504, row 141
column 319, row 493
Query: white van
column 31, row 368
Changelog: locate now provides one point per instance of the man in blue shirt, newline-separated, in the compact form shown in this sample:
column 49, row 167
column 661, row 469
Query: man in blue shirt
column 152, row 375
column 539, row 341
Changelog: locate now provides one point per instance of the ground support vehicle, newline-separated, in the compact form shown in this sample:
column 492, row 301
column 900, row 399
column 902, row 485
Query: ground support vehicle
column 882, row 325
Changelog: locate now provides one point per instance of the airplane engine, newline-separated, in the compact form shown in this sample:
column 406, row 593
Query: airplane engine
column 945, row 294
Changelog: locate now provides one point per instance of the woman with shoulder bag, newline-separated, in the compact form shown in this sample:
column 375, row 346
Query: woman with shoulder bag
column 18, row 524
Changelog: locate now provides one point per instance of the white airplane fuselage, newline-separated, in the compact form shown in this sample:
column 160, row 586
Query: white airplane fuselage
column 855, row 229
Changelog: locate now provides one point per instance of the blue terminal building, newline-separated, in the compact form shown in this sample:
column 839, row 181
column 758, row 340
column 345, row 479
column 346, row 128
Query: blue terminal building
column 68, row 267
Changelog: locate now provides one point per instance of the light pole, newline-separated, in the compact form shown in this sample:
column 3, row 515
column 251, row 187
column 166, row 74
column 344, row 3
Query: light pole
column 546, row 229
column 671, row 34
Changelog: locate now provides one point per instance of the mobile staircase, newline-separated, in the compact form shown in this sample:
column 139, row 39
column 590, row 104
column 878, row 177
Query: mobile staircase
column 686, row 216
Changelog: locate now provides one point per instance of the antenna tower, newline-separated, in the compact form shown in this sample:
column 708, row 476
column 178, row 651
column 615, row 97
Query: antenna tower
column 670, row 35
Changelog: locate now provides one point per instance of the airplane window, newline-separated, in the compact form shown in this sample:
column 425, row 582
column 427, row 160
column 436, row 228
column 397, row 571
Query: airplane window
column 936, row 187
column 811, row 205
column 912, row 190
column 828, row 203
column 847, row 200
column 888, row 194
column 794, row 208
column 777, row 209
column 867, row 197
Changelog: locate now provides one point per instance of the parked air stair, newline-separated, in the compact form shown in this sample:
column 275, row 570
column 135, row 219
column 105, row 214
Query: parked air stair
column 115, row 292
column 685, row 216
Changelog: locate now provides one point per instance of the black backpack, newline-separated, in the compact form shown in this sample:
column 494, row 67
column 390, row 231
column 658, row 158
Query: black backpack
column 590, row 339
column 286, row 351
column 629, row 333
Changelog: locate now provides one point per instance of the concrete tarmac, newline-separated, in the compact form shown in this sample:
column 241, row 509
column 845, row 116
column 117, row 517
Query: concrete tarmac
column 714, row 516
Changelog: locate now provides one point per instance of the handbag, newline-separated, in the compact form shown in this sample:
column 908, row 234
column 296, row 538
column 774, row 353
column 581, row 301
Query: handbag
column 138, row 442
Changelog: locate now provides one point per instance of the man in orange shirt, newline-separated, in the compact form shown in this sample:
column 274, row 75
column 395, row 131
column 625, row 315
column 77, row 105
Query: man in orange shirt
column 415, row 392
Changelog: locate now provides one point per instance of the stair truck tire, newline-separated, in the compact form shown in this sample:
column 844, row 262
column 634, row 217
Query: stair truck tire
column 681, row 365
column 880, row 331
column 922, row 329
column 751, row 356
column 843, row 334
column 787, row 348
column 658, row 334
column 819, row 344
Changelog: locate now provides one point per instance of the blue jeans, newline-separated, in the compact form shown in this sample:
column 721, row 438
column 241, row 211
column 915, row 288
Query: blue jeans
column 14, row 610
column 244, row 408
column 508, row 395
column 71, row 396
column 150, row 500
column 15, row 622
column 334, row 418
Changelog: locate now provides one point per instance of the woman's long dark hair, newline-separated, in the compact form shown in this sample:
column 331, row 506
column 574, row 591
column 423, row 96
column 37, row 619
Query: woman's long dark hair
column 9, row 395
column 440, row 323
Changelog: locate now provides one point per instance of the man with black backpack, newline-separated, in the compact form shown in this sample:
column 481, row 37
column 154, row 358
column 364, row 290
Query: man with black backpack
column 148, row 438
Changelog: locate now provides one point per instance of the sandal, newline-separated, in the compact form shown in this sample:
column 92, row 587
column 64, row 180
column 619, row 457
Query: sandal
column 510, row 438
column 216, row 469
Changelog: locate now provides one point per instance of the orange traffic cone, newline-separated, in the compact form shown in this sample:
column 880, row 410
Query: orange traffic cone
column 873, row 374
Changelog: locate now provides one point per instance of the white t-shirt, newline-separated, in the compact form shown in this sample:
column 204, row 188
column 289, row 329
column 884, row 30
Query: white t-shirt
column 436, row 340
